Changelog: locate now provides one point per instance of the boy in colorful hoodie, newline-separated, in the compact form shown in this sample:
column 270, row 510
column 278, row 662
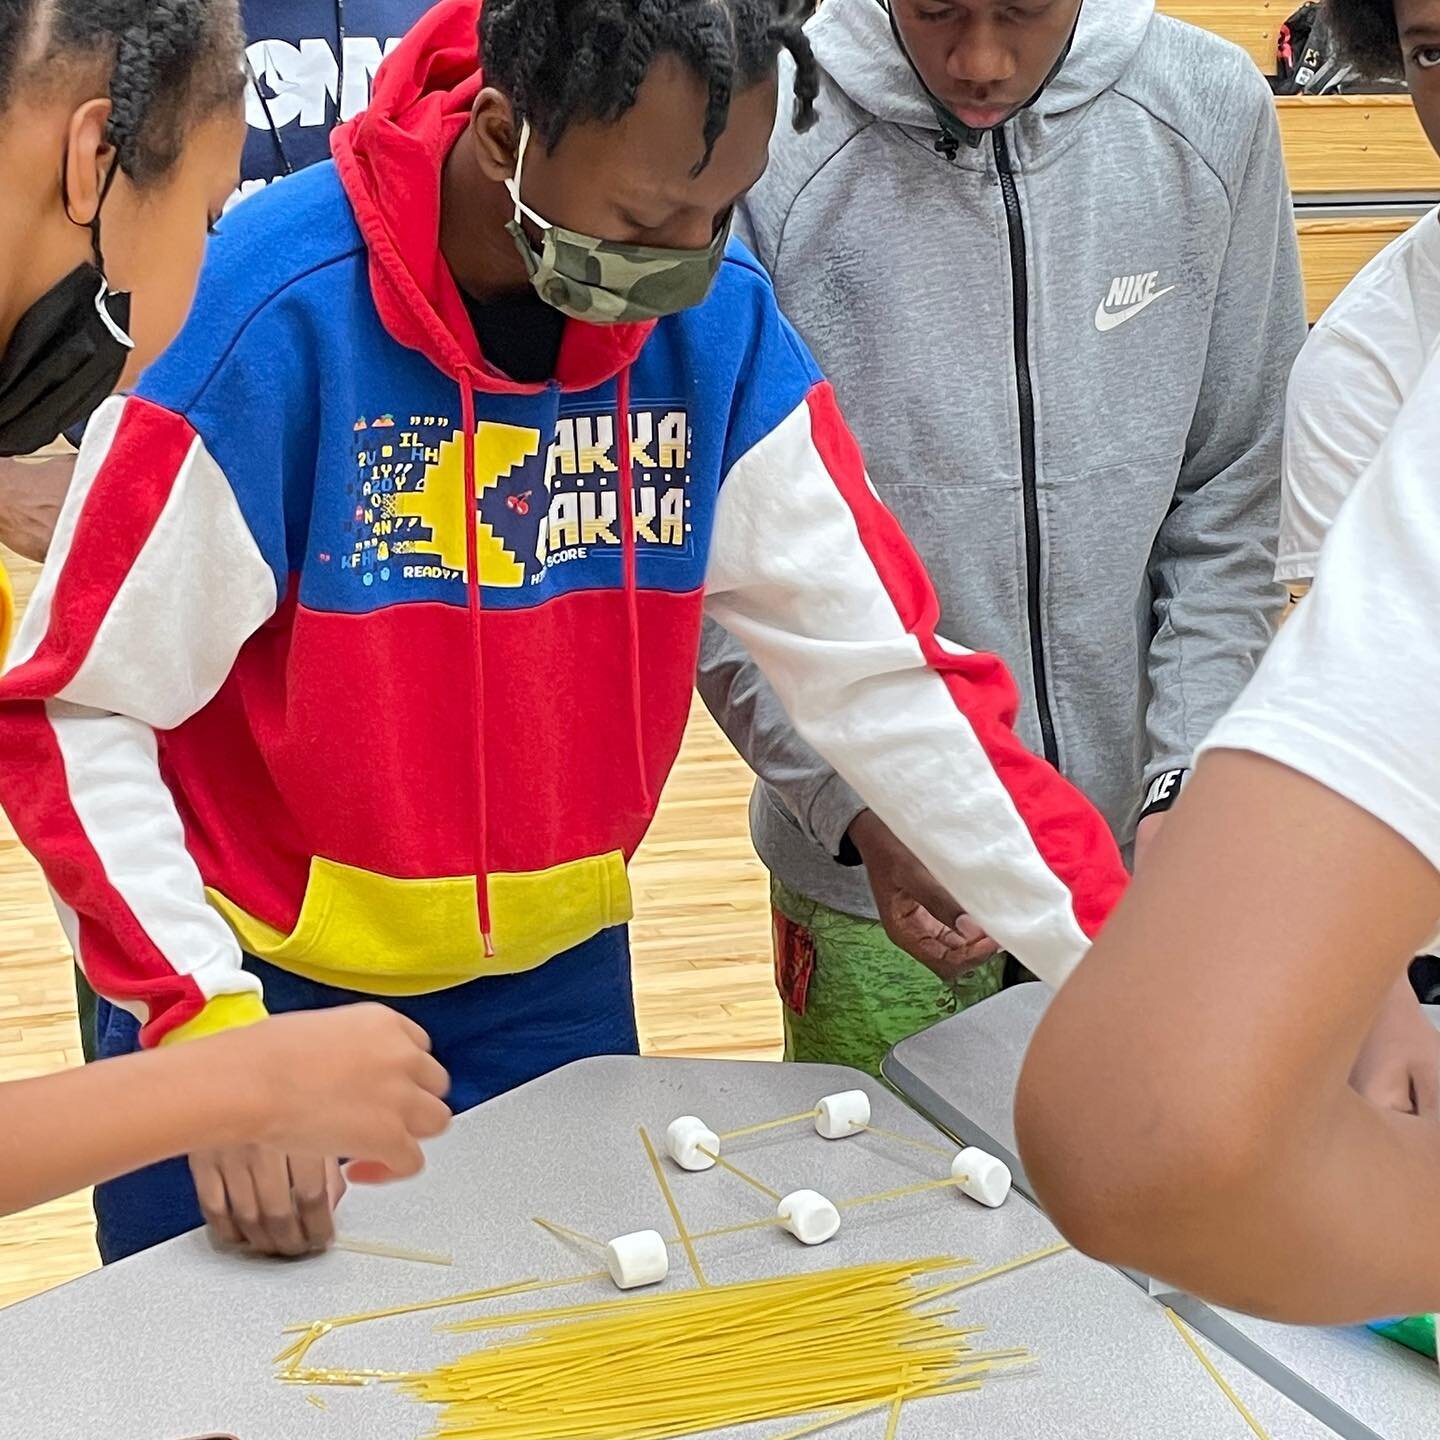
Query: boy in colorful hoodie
column 367, row 635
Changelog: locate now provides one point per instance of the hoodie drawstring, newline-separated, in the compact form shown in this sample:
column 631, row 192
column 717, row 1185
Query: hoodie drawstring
column 340, row 58
column 632, row 597
column 477, row 668
column 473, row 606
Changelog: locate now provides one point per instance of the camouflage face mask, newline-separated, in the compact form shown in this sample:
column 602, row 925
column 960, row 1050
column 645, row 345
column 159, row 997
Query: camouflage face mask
column 604, row 281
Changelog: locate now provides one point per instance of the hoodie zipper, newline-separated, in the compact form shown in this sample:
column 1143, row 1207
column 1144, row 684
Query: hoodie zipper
column 1024, row 388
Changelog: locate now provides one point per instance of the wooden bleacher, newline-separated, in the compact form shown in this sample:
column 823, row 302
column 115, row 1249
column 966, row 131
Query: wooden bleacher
column 1253, row 25
column 1333, row 250
column 1356, row 145
column 1360, row 166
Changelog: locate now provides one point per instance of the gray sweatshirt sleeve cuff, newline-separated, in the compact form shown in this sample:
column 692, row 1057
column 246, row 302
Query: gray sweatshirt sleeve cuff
column 1162, row 790
column 832, row 812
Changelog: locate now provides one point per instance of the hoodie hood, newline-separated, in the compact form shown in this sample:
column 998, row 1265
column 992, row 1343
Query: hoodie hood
column 855, row 46
column 390, row 160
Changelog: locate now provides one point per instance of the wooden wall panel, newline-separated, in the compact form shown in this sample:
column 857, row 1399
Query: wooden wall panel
column 1253, row 25
column 1356, row 145
column 1331, row 251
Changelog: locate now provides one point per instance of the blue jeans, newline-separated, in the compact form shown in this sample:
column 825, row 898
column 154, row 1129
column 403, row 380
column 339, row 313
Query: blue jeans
column 491, row 1035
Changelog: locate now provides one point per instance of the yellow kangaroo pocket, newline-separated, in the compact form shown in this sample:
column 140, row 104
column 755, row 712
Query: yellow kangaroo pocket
column 360, row 930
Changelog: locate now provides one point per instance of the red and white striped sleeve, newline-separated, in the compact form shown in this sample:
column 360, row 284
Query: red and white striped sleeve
column 153, row 583
column 814, row 576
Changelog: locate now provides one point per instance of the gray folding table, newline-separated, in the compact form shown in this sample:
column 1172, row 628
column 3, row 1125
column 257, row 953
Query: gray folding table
column 180, row 1340
column 962, row 1075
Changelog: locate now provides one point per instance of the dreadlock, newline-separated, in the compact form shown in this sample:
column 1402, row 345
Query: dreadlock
column 563, row 61
column 168, row 62
column 1367, row 36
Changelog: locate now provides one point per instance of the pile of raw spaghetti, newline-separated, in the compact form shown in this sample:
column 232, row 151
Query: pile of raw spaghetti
column 828, row 1345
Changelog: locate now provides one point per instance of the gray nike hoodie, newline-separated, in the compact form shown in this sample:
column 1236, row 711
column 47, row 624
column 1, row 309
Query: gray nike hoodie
column 1064, row 353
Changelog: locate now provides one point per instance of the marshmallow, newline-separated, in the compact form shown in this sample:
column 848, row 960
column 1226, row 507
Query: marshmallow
column 809, row 1217
column 638, row 1259
column 837, row 1116
column 685, row 1139
column 985, row 1178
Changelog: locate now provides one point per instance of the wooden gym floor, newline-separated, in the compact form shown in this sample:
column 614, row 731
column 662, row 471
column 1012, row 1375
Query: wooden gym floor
column 701, row 945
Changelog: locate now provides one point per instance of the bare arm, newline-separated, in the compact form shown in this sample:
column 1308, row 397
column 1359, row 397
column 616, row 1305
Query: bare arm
column 85, row 1126
column 356, row 1081
column 1218, row 1143
column 31, row 494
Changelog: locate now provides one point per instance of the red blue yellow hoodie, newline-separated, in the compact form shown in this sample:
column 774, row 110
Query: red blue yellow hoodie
column 354, row 654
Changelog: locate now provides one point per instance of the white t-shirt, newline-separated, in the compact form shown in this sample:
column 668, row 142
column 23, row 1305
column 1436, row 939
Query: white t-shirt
column 1358, row 367
column 1347, row 693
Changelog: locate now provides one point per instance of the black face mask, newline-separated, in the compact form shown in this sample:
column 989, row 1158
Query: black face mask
column 65, row 355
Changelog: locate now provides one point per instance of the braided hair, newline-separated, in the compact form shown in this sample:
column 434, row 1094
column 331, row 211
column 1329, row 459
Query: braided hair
column 562, row 61
column 169, row 63
column 1367, row 35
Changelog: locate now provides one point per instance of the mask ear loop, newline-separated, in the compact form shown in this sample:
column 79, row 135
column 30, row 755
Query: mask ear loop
column 93, row 226
column 513, row 183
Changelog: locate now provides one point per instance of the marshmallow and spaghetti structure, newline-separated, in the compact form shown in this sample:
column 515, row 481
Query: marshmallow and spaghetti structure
column 829, row 1345
column 693, row 1145
column 825, row 1345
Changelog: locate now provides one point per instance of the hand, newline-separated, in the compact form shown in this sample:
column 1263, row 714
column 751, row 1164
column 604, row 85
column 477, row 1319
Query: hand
column 1398, row 1067
column 357, row 1080
column 1146, row 833
column 31, row 494
column 917, row 913
column 276, row 1203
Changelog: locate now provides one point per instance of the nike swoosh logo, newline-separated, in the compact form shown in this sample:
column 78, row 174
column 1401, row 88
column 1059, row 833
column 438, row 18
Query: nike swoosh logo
column 1111, row 319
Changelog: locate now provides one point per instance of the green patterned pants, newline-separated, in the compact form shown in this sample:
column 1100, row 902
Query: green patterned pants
column 848, row 994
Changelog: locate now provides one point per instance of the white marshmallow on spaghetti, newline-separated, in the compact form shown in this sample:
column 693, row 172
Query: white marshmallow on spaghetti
column 809, row 1217
column 687, row 1139
column 639, row 1259
column 982, row 1177
column 847, row 1113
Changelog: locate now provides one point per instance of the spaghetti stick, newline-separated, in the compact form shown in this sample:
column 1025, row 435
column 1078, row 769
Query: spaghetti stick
column 750, row 1291
column 900, row 1139
column 965, row 1387
column 895, row 1410
column 353, row 1378
column 1215, row 1375
column 774, row 1222
column 392, row 1252
column 295, row 1355
column 769, row 1125
column 316, row 1401
column 472, row 1297
column 674, row 1208
column 838, row 1417
column 298, row 1347
column 899, row 1404
column 868, row 1408
column 563, row 1232
column 1020, row 1261
column 739, row 1174
column 950, row 1182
